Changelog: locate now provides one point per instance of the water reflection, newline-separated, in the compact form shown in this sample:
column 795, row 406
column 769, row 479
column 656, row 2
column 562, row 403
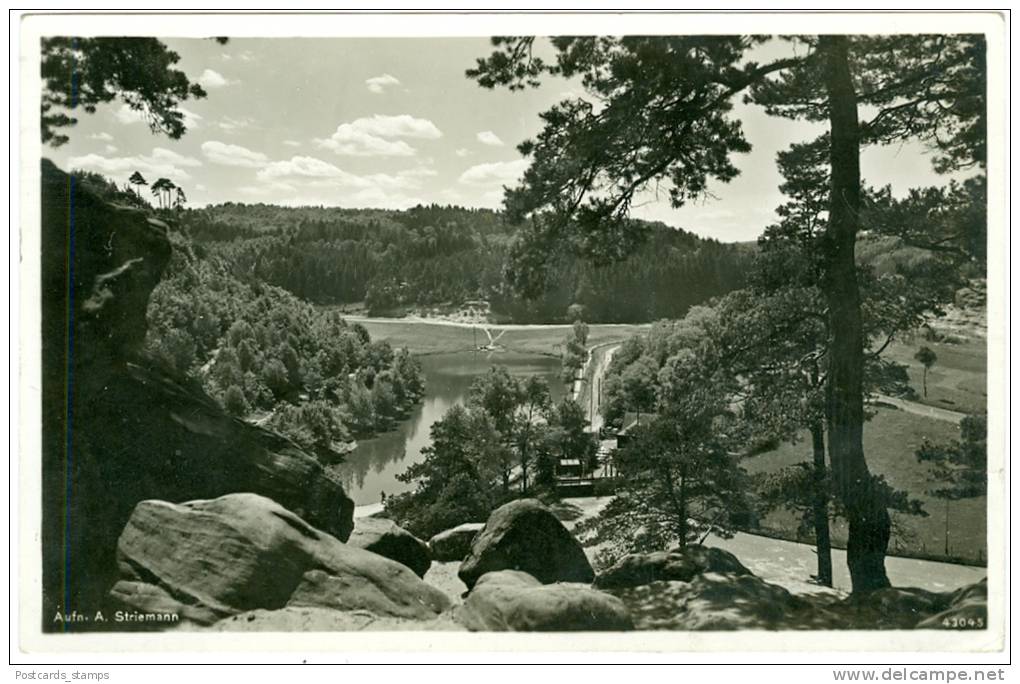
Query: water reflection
column 372, row 468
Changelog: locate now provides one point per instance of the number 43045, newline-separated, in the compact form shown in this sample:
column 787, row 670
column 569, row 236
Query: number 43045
column 963, row 623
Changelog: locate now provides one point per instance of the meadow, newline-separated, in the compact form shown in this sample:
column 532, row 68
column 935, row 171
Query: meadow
column 890, row 440
column 958, row 380
column 436, row 338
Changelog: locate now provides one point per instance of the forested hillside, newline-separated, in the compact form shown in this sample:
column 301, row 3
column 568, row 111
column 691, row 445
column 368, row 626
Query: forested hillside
column 440, row 255
column 266, row 355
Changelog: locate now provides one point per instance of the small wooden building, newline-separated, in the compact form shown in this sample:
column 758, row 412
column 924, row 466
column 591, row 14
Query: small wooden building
column 632, row 421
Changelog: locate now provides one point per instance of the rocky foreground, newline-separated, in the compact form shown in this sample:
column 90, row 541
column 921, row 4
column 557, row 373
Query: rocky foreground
column 158, row 504
column 243, row 563
column 117, row 427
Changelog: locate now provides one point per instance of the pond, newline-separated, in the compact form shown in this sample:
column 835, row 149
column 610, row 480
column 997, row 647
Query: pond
column 371, row 469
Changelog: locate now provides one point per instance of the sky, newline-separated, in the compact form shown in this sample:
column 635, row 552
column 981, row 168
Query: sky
column 394, row 122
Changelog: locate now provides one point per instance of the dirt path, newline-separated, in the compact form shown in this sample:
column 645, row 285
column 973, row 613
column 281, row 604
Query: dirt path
column 791, row 564
column 920, row 409
column 786, row 562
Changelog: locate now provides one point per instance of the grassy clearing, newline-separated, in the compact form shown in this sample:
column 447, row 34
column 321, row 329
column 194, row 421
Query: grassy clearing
column 427, row 338
column 959, row 379
column 421, row 338
column 890, row 439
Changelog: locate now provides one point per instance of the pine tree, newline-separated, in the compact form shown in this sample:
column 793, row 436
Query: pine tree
column 665, row 117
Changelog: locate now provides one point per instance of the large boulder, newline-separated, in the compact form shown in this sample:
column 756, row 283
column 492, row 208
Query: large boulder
column 243, row 552
column 454, row 544
column 385, row 537
column 680, row 566
column 514, row 601
column 130, row 430
column 525, row 535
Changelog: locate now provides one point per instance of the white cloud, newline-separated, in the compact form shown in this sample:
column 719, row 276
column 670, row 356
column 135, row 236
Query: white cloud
column 110, row 149
column 501, row 173
column 105, row 137
column 489, row 138
column 213, row 79
column 233, row 155
column 303, row 180
column 379, row 135
column 161, row 162
column 126, row 115
column 378, row 84
column 292, row 143
column 463, row 152
column 163, row 155
column 399, row 126
column 352, row 142
column 302, row 168
column 229, row 124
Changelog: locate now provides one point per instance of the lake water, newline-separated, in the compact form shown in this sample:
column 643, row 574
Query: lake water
column 372, row 468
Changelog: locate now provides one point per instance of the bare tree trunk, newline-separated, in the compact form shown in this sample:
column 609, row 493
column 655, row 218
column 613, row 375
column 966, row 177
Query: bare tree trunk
column 820, row 506
column 869, row 520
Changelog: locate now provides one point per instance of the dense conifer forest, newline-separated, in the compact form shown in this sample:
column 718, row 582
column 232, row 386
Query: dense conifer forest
column 435, row 255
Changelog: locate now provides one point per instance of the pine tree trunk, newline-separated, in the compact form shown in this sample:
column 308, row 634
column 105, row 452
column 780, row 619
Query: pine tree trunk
column 820, row 506
column 866, row 512
column 683, row 510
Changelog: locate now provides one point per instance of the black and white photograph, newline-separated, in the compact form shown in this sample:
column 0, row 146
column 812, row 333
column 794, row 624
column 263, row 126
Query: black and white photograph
column 666, row 330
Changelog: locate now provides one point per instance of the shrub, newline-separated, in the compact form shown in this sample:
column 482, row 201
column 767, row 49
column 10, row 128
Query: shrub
column 234, row 401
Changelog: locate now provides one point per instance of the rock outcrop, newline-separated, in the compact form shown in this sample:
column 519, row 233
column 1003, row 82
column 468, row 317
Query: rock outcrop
column 967, row 609
column 454, row 544
column 244, row 552
column 681, row 566
column 715, row 601
column 117, row 429
column 525, row 535
column 386, row 538
column 514, row 601
column 719, row 602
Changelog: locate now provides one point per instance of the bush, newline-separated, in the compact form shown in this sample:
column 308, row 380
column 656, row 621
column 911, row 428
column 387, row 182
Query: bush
column 234, row 402
column 276, row 378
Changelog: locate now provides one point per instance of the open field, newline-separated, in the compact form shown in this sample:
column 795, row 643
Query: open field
column 890, row 439
column 432, row 338
column 959, row 379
